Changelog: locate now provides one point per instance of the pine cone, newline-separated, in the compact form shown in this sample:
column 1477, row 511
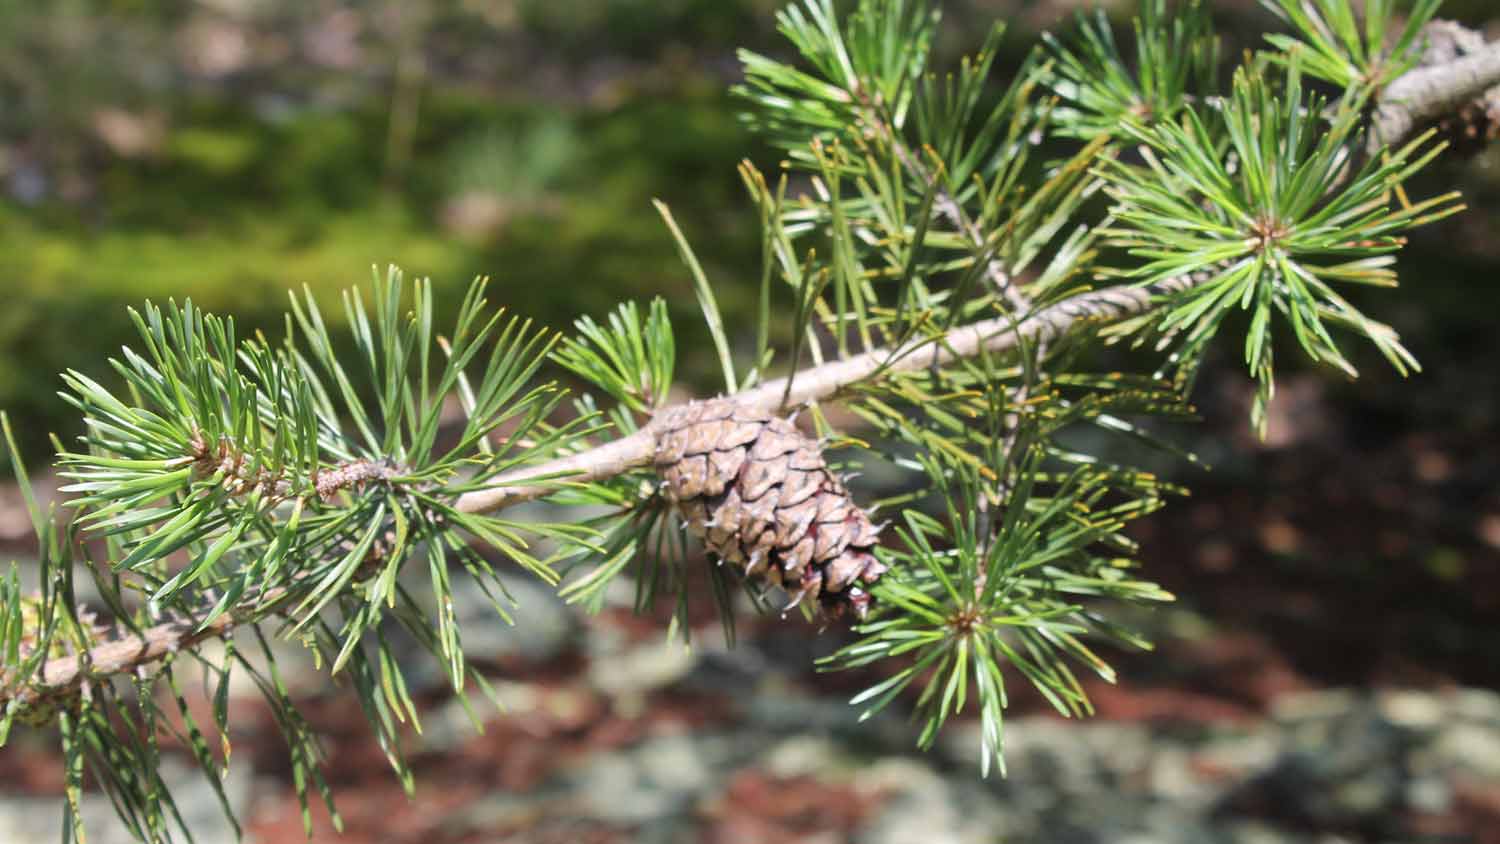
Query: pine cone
column 759, row 495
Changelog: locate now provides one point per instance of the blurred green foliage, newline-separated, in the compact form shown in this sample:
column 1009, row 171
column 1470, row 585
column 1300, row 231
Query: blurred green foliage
column 230, row 150
column 250, row 192
column 640, row 27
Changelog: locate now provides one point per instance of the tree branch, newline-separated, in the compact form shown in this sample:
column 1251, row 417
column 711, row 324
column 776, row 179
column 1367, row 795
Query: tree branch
column 946, row 205
column 821, row 383
column 1431, row 91
column 125, row 654
column 1419, row 95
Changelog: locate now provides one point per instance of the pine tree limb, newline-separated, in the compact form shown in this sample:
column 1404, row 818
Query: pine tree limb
column 127, row 653
column 1417, row 96
column 828, row 381
column 820, row 383
column 1431, row 91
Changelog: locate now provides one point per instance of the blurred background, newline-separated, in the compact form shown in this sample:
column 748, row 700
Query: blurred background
column 1328, row 674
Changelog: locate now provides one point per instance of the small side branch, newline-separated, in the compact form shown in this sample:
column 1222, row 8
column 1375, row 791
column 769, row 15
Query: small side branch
column 127, row 653
column 1429, row 92
column 828, row 381
column 948, row 207
column 596, row 464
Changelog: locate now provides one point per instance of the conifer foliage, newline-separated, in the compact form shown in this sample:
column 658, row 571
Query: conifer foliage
column 944, row 254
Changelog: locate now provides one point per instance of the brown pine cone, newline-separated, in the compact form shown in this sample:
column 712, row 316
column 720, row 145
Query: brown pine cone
column 759, row 494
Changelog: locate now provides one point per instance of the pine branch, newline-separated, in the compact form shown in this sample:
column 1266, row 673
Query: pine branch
column 828, row 381
column 1432, row 91
column 125, row 654
column 1416, row 96
column 243, row 490
column 819, row 383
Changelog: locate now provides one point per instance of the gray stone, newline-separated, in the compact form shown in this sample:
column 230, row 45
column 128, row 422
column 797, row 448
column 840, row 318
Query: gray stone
column 673, row 763
column 642, row 668
column 544, row 626
column 1256, row 832
column 1172, row 778
column 1371, row 794
column 610, row 787
column 496, row 810
column 1478, row 705
column 1304, row 706
column 778, row 708
column 654, row 782
column 924, row 807
column 27, row 819
column 1240, row 754
column 1417, row 711
column 1169, row 823
column 449, row 726
column 804, row 755
column 1046, row 752
column 1429, row 794
column 1472, row 747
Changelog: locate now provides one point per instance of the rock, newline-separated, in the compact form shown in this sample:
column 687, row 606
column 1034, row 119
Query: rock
column 611, row 788
column 673, row 763
column 781, row 709
column 720, row 667
column 924, row 807
column 1169, row 823
column 495, row 811
column 544, row 626
column 658, row 781
column 1411, row 710
column 39, row 818
column 1430, row 795
column 1050, row 753
column 1237, row 755
column 642, row 668
column 1257, row 832
column 449, row 726
column 1122, row 749
column 1478, row 705
column 1337, row 766
column 1305, row 706
column 1367, row 794
column 1471, row 747
column 803, row 756
column 1172, row 778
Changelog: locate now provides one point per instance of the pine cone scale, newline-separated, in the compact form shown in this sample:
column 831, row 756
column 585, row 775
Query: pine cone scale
column 762, row 476
column 801, row 486
column 727, row 464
